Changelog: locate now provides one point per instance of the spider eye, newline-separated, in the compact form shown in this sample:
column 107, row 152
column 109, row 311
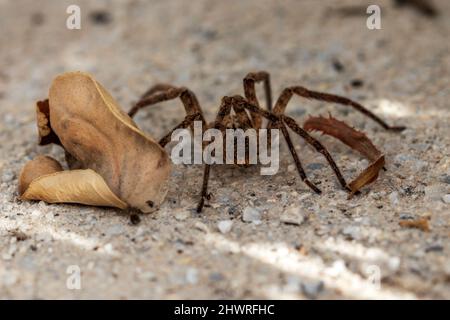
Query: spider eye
column 150, row 203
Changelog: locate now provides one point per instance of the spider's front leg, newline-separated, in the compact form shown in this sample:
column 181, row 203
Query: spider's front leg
column 250, row 81
column 165, row 92
column 224, row 111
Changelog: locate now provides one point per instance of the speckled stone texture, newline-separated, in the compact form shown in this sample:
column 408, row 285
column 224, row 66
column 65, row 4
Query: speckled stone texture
column 302, row 245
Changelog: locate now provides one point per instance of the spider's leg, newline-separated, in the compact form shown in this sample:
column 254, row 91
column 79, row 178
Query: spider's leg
column 286, row 95
column 160, row 93
column 298, row 164
column 317, row 145
column 165, row 92
column 187, row 122
column 224, row 110
column 276, row 119
column 204, row 188
column 243, row 118
column 250, row 93
column 156, row 88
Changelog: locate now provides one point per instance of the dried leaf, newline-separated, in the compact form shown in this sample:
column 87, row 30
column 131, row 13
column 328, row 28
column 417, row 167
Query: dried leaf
column 45, row 131
column 355, row 140
column 73, row 186
column 421, row 224
column 97, row 135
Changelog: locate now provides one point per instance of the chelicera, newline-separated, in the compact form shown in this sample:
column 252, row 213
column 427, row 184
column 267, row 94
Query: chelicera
column 245, row 112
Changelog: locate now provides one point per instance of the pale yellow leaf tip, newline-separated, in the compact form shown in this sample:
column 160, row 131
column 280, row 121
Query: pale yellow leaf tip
column 50, row 184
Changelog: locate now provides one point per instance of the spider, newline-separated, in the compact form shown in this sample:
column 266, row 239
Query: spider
column 245, row 112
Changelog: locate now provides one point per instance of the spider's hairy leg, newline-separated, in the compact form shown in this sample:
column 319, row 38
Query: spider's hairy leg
column 298, row 164
column 286, row 95
column 316, row 145
column 156, row 88
column 279, row 121
column 163, row 92
column 204, row 193
column 187, row 122
column 250, row 93
column 277, row 124
column 224, row 110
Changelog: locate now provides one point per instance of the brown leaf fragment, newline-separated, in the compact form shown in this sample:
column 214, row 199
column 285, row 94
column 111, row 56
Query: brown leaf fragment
column 354, row 139
column 73, row 186
column 421, row 224
column 45, row 131
column 367, row 176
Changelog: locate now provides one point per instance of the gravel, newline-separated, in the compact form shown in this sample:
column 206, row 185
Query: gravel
column 446, row 198
column 293, row 215
column 251, row 215
column 312, row 289
column 225, row 226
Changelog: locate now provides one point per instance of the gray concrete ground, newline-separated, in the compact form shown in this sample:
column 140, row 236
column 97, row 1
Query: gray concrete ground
column 339, row 249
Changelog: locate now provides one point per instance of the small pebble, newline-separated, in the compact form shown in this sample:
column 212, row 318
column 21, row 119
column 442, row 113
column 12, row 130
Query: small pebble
column 192, row 276
column 445, row 178
column 201, row 226
column 115, row 230
column 394, row 264
column 434, row 248
column 7, row 176
column 216, row 276
column 108, row 248
column 293, row 215
column 182, row 215
column 351, row 232
column 393, row 198
column 312, row 289
column 433, row 192
column 406, row 216
column 251, row 215
column 36, row 213
column 225, row 226
column 148, row 275
column 446, row 198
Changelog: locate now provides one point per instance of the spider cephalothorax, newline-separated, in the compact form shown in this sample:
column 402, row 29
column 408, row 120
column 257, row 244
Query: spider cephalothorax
column 245, row 112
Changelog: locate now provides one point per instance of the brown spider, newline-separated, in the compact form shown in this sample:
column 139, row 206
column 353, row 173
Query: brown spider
column 253, row 119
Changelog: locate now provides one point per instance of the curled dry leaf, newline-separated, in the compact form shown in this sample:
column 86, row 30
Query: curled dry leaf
column 43, row 178
column 355, row 140
column 112, row 162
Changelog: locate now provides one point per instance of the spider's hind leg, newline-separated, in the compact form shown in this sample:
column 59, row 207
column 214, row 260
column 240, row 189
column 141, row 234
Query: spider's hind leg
column 280, row 121
column 286, row 95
